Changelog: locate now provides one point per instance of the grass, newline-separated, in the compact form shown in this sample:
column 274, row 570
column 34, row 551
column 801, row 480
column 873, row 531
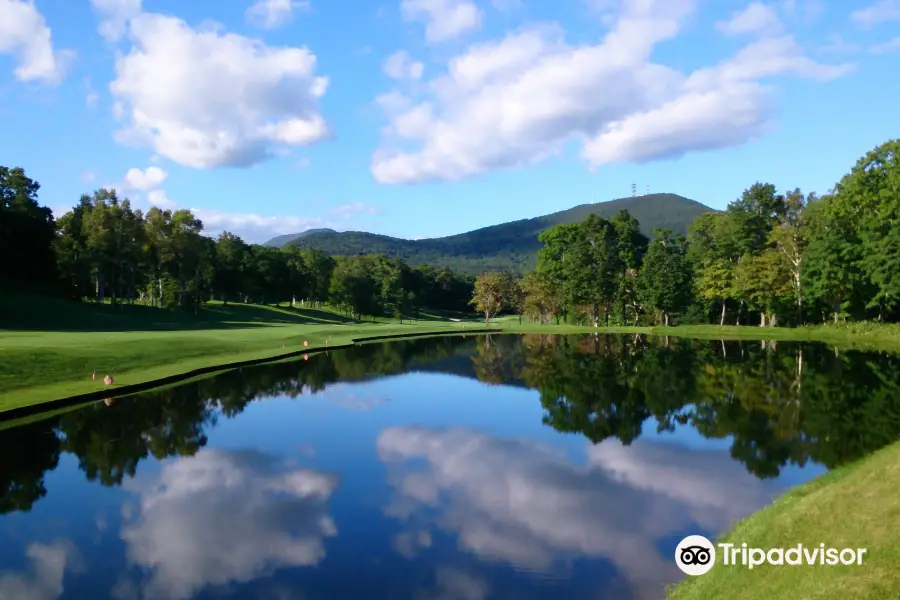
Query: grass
column 856, row 506
column 50, row 348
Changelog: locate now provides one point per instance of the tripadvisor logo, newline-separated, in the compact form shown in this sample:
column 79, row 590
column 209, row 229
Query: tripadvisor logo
column 696, row 555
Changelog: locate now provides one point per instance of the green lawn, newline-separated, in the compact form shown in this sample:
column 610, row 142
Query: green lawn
column 856, row 506
column 55, row 347
column 49, row 349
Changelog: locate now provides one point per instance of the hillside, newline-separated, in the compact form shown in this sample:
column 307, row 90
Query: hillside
column 282, row 240
column 508, row 245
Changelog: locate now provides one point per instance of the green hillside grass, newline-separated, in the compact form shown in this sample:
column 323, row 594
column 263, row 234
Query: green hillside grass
column 511, row 245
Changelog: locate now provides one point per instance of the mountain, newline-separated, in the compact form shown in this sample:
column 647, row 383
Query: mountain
column 283, row 240
column 511, row 245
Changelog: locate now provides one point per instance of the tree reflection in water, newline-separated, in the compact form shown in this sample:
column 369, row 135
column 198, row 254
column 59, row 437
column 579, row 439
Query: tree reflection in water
column 779, row 405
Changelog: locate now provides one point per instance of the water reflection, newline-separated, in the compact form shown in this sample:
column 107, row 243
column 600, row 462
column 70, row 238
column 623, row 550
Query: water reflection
column 275, row 482
column 220, row 517
column 525, row 504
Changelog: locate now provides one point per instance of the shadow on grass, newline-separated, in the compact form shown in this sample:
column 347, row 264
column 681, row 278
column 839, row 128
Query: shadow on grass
column 27, row 312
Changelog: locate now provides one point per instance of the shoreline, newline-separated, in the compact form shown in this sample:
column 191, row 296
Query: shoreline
column 28, row 400
column 28, row 410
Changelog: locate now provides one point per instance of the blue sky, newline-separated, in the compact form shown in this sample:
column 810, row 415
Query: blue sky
column 421, row 118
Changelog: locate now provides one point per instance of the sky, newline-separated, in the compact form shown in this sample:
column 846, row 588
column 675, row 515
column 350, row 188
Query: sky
column 425, row 118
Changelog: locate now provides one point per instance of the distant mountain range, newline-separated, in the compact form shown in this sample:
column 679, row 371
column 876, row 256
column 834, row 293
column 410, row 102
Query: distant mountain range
column 511, row 245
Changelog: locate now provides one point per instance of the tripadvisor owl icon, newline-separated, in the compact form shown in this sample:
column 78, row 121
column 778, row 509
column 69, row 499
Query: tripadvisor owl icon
column 695, row 555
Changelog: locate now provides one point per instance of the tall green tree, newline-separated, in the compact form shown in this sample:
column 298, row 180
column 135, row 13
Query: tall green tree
column 665, row 279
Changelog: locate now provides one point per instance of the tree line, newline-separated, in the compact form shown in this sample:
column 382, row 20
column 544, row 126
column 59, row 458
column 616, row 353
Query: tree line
column 107, row 251
column 769, row 258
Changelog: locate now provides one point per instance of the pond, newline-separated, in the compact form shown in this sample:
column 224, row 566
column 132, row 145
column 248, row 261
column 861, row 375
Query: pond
column 564, row 467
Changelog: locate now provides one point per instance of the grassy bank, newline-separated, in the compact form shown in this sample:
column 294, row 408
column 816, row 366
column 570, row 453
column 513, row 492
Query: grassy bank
column 50, row 349
column 856, row 506
column 56, row 347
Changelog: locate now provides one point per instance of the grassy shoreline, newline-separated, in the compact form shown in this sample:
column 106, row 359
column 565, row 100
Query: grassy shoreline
column 55, row 357
column 850, row 507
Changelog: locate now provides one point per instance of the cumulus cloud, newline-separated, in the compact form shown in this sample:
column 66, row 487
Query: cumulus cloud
column 114, row 17
column 237, row 110
column 889, row 46
column 148, row 179
column 48, row 564
column 160, row 199
column 399, row 66
column 529, row 506
column 227, row 516
column 522, row 99
column 269, row 14
column 837, row 44
column 877, row 13
column 24, row 35
column 253, row 227
column 755, row 18
column 444, row 19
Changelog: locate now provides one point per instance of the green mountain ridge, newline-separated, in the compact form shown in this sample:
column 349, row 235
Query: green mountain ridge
column 512, row 245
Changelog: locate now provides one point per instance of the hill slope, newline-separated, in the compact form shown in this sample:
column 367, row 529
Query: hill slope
column 282, row 240
column 508, row 245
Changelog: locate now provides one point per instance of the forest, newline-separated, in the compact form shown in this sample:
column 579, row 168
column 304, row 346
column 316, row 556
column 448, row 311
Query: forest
column 770, row 258
column 104, row 250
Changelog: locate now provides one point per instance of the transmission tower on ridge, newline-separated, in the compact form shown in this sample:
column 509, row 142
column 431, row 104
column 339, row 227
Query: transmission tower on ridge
column 648, row 190
column 633, row 190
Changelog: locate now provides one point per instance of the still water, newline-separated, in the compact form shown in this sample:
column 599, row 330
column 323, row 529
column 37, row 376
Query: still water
column 453, row 469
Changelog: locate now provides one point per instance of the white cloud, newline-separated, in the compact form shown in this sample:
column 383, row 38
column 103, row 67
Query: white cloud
column 269, row 14
column 49, row 563
column 444, row 19
column 255, row 228
column 755, row 18
column 24, row 34
column 889, row 46
column 115, row 16
column 91, row 97
column 225, row 516
column 808, row 10
column 837, row 44
column 530, row 506
column 399, row 66
column 879, row 12
column 236, row 110
column 160, row 199
column 522, row 99
column 148, row 179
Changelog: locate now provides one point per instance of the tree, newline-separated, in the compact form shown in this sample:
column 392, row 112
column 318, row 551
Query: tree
column 870, row 197
column 27, row 233
column 713, row 252
column 631, row 245
column 789, row 237
column 491, row 293
column 665, row 279
column 541, row 301
column 230, row 259
column 765, row 280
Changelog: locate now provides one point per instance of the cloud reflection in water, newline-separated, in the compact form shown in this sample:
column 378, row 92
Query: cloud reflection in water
column 528, row 505
column 225, row 516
